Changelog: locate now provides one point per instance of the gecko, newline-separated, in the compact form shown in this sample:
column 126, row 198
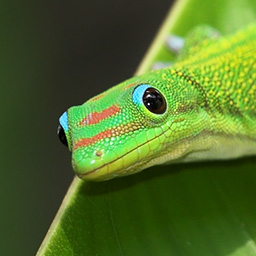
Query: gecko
column 201, row 107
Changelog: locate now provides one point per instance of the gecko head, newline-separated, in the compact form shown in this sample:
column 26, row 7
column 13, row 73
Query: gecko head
column 119, row 132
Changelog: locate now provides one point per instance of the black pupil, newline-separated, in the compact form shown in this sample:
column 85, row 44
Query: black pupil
column 154, row 101
column 61, row 135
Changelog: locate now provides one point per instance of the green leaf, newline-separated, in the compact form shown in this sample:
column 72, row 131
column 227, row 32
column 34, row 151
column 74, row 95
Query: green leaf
column 188, row 209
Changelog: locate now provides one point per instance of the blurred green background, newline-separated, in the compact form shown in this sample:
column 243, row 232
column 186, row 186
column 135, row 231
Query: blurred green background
column 55, row 54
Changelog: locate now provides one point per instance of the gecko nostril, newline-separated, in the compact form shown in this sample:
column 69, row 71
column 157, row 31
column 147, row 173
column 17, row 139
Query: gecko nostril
column 98, row 153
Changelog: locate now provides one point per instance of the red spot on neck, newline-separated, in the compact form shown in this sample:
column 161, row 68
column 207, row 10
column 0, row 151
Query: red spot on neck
column 96, row 117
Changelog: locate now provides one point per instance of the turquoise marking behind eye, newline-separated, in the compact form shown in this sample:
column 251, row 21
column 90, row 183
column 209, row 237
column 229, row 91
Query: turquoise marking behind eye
column 64, row 121
column 138, row 93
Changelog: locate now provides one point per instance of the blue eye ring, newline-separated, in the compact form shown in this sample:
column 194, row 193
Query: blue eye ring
column 151, row 98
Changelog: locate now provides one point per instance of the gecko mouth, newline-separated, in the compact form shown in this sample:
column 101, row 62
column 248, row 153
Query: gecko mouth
column 154, row 158
column 97, row 175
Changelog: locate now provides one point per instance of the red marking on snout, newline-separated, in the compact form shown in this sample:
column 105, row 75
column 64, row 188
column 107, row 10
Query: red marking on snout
column 88, row 141
column 96, row 117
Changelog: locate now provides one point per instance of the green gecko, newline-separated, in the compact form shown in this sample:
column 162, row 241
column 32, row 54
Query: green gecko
column 202, row 107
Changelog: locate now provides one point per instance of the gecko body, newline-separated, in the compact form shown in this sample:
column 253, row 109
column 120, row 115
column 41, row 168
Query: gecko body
column 202, row 107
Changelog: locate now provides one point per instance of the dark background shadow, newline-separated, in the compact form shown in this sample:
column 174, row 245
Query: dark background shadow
column 55, row 54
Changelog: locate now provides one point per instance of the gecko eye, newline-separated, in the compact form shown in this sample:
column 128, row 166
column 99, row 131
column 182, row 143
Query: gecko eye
column 154, row 101
column 62, row 136
column 150, row 97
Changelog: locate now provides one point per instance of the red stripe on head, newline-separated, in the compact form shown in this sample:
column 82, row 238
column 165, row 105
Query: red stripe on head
column 89, row 141
column 116, row 131
column 97, row 97
column 128, row 86
column 96, row 117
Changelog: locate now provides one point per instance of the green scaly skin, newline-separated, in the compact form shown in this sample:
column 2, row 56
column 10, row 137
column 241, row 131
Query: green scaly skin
column 211, row 111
